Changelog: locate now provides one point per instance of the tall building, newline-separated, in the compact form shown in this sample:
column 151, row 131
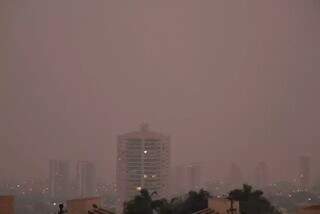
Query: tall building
column 235, row 177
column 179, row 181
column 143, row 162
column 304, row 172
column 193, row 176
column 261, row 174
column 86, row 179
column 59, row 179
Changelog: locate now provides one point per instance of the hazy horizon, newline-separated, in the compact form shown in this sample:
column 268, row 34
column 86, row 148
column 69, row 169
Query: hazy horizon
column 214, row 75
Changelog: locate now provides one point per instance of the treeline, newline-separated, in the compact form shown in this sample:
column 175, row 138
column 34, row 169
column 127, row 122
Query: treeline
column 251, row 202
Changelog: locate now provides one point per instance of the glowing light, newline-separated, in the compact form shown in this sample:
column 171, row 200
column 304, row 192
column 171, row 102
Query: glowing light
column 145, row 151
column 139, row 188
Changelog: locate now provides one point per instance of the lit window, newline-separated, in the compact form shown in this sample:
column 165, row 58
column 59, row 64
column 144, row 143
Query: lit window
column 139, row 188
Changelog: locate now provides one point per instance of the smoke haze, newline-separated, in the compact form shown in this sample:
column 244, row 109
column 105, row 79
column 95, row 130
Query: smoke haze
column 228, row 80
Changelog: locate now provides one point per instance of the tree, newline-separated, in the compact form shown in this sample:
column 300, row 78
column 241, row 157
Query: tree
column 144, row 204
column 193, row 202
column 141, row 204
column 252, row 201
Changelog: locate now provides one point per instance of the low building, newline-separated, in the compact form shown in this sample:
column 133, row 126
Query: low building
column 224, row 206
column 313, row 209
column 6, row 205
column 83, row 205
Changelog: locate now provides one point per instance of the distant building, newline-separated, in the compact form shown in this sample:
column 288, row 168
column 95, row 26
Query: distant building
column 314, row 209
column 304, row 172
column 179, row 180
column 261, row 175
column 235, row 177
column 187, row 178
column 193, row 173
column 224, row 206
column 86, row 179
column 59, row 179
column 83, row 205
column 143, row 162
column 6, row 205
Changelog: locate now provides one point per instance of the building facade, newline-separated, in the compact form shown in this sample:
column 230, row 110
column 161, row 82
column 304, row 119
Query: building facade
column 143, row 162
column 86, row 179
column 193, row 178
column 59, row 179
column 261, row 175
column 304, row 172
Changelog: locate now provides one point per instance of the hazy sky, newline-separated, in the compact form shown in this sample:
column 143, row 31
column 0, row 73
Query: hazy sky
column 212, row 73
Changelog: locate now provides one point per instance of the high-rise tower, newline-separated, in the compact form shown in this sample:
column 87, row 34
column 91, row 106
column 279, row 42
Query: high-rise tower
column 143, row 162
column 59, row 179
column 193, row 178
column 304, row 172
column 86, row 176
column 261, row 174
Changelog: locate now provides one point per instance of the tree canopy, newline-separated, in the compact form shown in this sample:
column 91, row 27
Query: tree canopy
column 144, row 204
column 252, row 201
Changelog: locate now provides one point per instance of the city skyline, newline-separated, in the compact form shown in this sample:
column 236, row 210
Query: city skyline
column 230, row 89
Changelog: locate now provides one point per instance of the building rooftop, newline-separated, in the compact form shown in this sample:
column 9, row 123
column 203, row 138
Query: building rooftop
column 144, row 133
column 312, row 207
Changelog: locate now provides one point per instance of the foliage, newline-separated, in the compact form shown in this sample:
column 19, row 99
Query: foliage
column 252, row 201
column 144, row 204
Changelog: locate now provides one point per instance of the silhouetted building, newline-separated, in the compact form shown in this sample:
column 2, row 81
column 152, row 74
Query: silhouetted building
column 179, row 183
column 261, row 174
column 235, row 175
column 143, row 162
column 193, row 176
column 304, row 172
column 6, row 205
column 86, row 179
column 59, row 179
